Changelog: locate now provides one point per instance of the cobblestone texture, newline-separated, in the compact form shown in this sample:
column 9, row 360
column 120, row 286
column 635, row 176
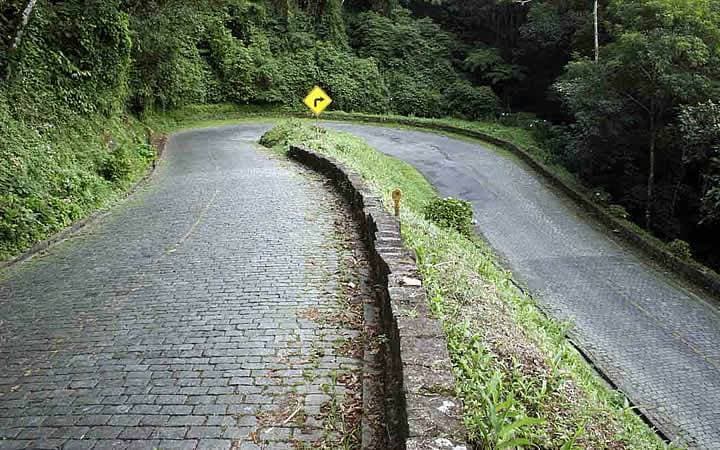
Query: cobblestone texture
column 655, row 339
column 178, row 321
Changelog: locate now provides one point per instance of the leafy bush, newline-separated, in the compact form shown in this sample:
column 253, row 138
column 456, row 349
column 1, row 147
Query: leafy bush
column 233, row 65
column 618, row 211
column 18, row 224
column 50, row 175
column 451, row 213
column 415, row 57
column 681, row 249
column 413, row 96
column 168, row 68
column 117, row 165
column 286, row 131
column 557, row 142
column 518, row 119
column 355, row 84
column 68, row 66
column 471, row 102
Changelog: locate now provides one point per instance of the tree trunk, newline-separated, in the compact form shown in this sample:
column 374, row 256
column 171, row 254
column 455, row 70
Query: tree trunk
column 597, row 32
column 23, row 23
column 651, row 175
column 681, row 177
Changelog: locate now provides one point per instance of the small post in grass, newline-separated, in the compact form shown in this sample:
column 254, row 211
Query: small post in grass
column 397, row 196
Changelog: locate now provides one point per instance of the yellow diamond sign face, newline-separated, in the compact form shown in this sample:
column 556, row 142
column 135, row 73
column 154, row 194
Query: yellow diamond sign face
column 317, row 100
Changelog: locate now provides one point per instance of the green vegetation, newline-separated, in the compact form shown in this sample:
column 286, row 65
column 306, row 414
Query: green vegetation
column 521, row 382
column 79, row 81
column 53, row 176
column 451, row 213
column 638, row 124
column 638, row 120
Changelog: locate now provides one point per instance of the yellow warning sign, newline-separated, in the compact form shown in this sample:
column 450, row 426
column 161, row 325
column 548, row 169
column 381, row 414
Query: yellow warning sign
column 317, row 100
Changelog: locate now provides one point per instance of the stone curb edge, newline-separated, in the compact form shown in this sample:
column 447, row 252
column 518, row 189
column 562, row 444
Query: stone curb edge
column 418, row 367
column 691, row 271
column 159, row 142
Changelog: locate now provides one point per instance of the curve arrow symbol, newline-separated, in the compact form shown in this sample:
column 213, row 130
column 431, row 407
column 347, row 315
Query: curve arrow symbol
column 318, row 100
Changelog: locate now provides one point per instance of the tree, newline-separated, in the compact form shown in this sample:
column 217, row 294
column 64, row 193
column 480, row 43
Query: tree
column 596, row 30
column 23, row 23
column 662, row 56
column 700, row 126
column 11, row 34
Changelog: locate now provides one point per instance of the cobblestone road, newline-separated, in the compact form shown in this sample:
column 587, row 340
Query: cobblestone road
column 185, row 318
column 659, row 342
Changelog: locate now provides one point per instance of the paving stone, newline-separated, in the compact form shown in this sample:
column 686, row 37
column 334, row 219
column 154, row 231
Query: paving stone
column 46, row 444
column 170, row 432
column 127, row 420
column 169, row 322
column 186, row 420
column 249, row 446
column 73, row 432
column 154, row 420
column 11, row 444
column 79, row 444
column 204, row 432
column 36, row 433
column 95, row 419
column 103, row 432
column 176, row 410
column 136, row 432
column 214, row 444
column 111, row 445
column 144, row 445
column 189, row 444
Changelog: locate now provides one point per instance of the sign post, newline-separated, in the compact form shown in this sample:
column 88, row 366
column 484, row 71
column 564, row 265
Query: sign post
column 397, row 196
column 317, row 100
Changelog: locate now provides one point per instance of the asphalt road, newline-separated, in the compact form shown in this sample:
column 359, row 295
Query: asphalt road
column 656, row 340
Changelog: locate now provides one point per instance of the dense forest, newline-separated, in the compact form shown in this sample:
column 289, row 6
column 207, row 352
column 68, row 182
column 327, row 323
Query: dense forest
column 636, row 118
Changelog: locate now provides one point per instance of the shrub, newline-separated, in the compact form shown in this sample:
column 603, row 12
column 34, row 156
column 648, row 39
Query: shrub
column 602, row 196
column 451, row 213
column 286, row 131
column 121, row 163
column 232, row 64
column 355, row 84
column 415, row 56
column 618, row 211
column 18, row 225
column 518, row 119
column 415, row 96
column 556, row 139
column 681, row 249
column 470, row 102
column 75, row 58
column 170, row 58
column 117, row 165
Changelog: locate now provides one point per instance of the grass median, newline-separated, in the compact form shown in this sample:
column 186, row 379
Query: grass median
column 522, row 383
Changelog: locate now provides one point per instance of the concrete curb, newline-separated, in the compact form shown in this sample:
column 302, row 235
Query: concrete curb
column 419, row 381
column 692, row 271
column 157, row 141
